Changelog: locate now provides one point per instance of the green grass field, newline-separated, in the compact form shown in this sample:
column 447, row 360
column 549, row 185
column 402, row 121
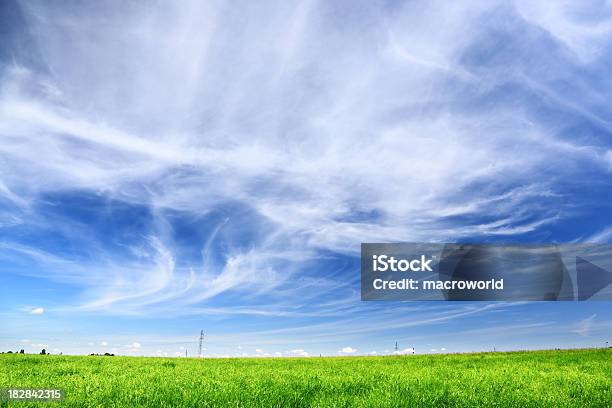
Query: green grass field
column 519, row 379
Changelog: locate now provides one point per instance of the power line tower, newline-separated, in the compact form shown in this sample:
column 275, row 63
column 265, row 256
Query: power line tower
column 396, row 348
column 201, row 341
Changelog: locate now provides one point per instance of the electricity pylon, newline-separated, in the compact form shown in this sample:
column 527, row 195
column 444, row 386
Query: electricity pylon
column 201, row 341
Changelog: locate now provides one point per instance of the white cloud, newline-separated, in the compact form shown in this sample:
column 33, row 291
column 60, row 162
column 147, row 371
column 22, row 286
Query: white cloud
column 347, row 350
column 583, row 328
column 564, row 20
column 602, row 236
column 259, row 351
column 608, row 157
column 409, row 350
column 103, row 343
column 37, row 311
column 298, row 353
column 134, row 346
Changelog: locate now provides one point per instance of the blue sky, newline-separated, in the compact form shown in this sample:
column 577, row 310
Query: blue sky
column 170, row 167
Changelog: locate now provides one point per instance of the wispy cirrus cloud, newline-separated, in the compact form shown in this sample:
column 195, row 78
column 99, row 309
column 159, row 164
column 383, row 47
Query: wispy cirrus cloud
column 583, row 328
column 223, row 157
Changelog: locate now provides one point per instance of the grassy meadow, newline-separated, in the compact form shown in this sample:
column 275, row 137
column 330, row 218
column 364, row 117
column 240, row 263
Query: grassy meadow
column 518, row 379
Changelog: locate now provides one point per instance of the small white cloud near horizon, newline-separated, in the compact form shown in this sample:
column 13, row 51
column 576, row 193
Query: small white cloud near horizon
column 135, row 346
column 299, row 352
column 37, row 311
column 409, row 350
column 347, row 350
column 103, row 343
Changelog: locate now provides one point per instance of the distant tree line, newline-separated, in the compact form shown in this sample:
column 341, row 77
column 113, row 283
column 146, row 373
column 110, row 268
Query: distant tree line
column 22, row 351
column 44, row 352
